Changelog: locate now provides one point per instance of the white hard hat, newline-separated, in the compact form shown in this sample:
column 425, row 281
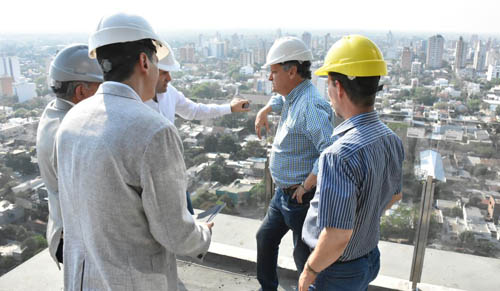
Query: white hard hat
column 73, row 64
column 287, row 48
column 123, row 27
column 169, row 63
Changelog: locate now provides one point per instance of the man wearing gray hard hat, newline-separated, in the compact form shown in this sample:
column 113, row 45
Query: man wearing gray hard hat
column 74, row 77
column 304, row 131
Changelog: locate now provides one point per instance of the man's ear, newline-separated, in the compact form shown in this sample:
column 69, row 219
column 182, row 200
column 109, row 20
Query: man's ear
column 143, row 62
column 340, row 89
column 292, row 72
column 79, row 94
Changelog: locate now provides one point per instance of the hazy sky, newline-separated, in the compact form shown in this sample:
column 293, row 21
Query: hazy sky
column 45, row 16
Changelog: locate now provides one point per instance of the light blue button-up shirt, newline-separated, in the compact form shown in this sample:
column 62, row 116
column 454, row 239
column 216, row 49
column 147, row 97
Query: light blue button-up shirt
column 304, row 131
column 358, row 175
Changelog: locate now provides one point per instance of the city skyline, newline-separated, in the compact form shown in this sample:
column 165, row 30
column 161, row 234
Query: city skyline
column 427, row 16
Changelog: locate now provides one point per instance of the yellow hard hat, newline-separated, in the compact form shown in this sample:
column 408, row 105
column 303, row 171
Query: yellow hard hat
column 354, row 55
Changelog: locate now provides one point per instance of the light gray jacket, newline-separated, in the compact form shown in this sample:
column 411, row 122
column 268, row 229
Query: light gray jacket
column 122, row 187
column 45, row 145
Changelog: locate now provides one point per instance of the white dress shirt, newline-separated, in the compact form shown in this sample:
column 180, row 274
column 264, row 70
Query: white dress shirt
column 174, row 102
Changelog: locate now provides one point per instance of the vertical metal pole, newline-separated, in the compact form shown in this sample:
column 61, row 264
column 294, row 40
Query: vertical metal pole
column 422, row 232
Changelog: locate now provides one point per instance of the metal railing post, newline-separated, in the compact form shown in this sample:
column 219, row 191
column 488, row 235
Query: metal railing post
column 422, row 232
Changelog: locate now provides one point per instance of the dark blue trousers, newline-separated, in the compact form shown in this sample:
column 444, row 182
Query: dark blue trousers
column 284, row 213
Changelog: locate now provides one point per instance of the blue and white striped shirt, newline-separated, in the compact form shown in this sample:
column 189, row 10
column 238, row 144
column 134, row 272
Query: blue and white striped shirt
column 304, row 131
column 358, row 175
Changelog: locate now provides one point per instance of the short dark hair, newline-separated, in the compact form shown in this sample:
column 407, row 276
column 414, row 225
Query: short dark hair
column 117, row 60
column 66, row 90
column 303, row 68
column 361, row 90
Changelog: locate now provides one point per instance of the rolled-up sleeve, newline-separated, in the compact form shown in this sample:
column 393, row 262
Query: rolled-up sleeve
column 276, row 102
column 163, row 180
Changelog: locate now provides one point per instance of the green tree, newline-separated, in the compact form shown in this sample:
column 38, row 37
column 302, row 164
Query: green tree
column 256, row 194
column 232, row 120
column 7, row 263
column 21, row 163
column 255, row 149
column 227, row 144
column 207, row 90
column 9, row 231
column 497, row 110
column 467, row 238
column 474, row 105
column 425, row 96
column 230, row 207
column 485, row 248
column 203, row 200
column 210, row 143
column 220, row 174
column 33, row 245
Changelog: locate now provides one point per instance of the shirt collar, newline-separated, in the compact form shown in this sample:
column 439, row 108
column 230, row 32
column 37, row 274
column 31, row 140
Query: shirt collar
column 355, row 121
column 118, row 89
column 297, row 91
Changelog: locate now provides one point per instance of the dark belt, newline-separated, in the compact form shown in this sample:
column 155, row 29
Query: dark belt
column 290, row 190
column 349, row 261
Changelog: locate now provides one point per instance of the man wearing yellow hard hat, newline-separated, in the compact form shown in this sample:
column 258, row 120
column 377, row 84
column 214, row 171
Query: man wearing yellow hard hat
column 360, row 174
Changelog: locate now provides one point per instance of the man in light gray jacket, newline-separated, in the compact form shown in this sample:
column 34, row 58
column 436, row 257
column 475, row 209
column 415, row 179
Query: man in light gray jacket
column 74, row 77
column 122, row 178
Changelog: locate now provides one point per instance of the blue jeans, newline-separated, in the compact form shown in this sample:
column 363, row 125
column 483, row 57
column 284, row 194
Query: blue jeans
column 284, row 213
column 354, row 275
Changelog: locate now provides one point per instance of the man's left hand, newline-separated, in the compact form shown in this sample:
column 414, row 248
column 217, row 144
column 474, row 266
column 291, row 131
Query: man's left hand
column 305, row 280
column 299, row 192
column 239, row 105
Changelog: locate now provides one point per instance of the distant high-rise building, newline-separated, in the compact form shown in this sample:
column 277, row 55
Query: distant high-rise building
column 492, row 56
column 479, row 57
column 278, row 33
column 390, row 38
column 201, row 41
column 307, row 39
column 473, row 40
column 414, row 83
column 416, row 67
column 435, row 48
column 488, row 44
column 217, row 49
column 406, row 59
column 493, row 72
column 327, row 41
column 25, row 91
column 9, row 66
column 6, row 88
column 235, row 41
column 460, row 54
column 247, row 58
column 186, row 53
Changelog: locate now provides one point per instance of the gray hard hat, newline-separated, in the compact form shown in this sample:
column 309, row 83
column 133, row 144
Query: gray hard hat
column 73, row 64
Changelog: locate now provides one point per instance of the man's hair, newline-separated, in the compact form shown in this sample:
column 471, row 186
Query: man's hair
column 361, row 90
column 117, row 60
column 66, row 90
column 303, row 68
